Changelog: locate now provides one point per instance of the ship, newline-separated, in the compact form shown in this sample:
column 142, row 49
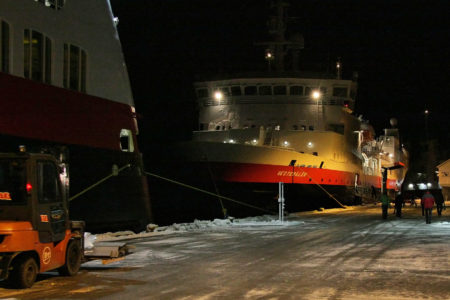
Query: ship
column 64, row 90
column 259, row 129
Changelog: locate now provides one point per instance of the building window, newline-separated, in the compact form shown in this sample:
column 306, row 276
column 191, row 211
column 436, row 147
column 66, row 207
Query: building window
column 37, row 56
column 74, row 68
column 4, row 47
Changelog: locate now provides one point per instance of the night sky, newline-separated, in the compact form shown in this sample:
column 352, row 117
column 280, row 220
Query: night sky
column 400, row 50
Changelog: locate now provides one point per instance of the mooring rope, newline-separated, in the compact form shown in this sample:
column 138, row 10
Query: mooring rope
column 320, row 186
column 207, row 192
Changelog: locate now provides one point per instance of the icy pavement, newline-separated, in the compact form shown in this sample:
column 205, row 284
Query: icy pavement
column 335, row 254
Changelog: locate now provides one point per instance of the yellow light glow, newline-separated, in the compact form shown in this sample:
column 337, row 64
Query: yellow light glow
column 315, row 94
column 218, row 95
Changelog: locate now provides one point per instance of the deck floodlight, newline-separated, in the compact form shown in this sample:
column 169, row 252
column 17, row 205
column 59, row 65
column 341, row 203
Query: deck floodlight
column 218, row 95
column 316, row 95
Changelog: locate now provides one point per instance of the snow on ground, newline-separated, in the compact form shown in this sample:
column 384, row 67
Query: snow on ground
column 265, row 220
column 137, row 259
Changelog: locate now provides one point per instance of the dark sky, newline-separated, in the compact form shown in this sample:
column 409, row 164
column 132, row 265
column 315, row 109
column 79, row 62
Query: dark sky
column 399, row 48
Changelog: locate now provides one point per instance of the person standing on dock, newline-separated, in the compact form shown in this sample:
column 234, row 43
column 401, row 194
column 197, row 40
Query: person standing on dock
column 374, row 193
column 422, row 206
column 398, row 205
column 439, row 199
column 428, row 202
column 384, row 199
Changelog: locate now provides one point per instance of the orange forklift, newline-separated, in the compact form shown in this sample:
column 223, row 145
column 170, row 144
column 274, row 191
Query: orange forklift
column 36, row 234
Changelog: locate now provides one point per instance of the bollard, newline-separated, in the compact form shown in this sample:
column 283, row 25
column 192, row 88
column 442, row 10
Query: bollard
column 281, row 202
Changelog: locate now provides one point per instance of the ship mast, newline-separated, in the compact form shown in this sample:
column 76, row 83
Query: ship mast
column 278, row 47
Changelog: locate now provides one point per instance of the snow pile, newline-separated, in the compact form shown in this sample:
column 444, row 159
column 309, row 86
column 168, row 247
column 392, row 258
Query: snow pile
column 265, row 220
column 89, row 240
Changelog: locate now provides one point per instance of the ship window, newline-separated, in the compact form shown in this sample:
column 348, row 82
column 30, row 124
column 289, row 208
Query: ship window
column 279, row 90
column 55, row 4
column 126, row 140
column 265, row 90
column 339, row 128
column 74, row 68
column 340, row 92
column 37, row 56
column 250, row 90
column 4, row 47
column 225, row 91
column 309, row 90
column 296, row 90
column 202, row 93
column 236, row 91
column 48, row 61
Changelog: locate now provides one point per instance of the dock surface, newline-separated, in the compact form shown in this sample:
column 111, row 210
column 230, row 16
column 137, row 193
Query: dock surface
column 335, row 254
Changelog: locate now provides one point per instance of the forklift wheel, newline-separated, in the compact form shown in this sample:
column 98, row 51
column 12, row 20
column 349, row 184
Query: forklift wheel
column 73, row 259
column 24, row 272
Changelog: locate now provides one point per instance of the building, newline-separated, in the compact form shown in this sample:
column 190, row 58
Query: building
column 444, row 178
